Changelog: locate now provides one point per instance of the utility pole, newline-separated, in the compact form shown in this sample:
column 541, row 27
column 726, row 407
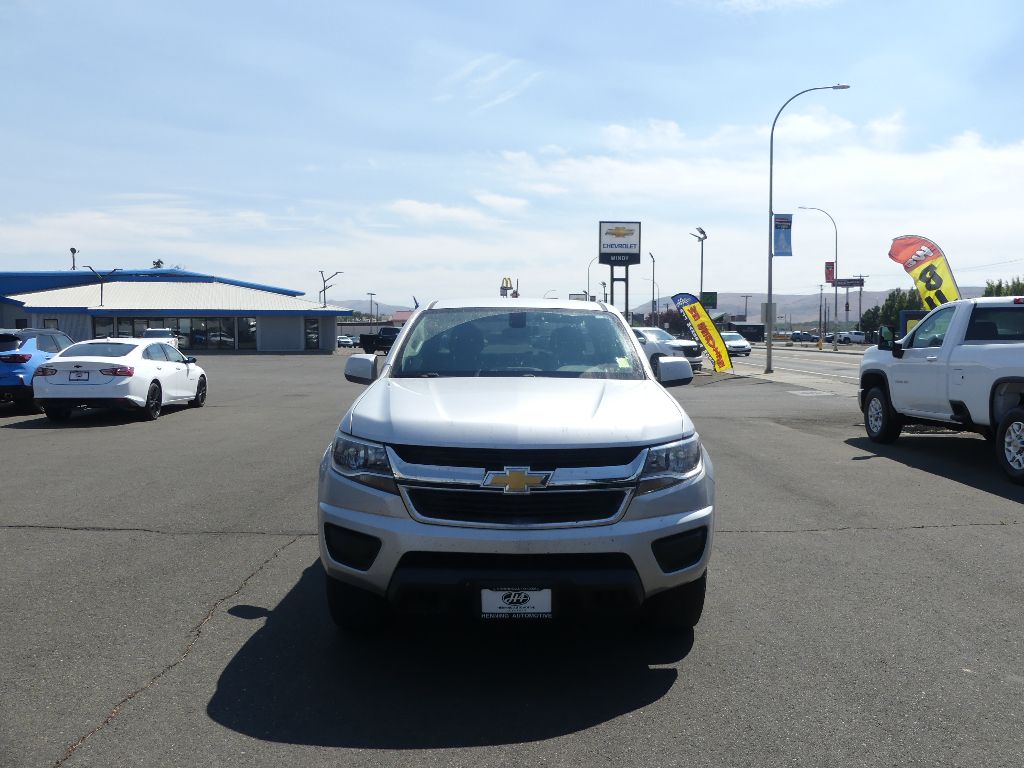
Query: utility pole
column 654, row 307
column 745, row 297
column 860, row 304
column 323, row 293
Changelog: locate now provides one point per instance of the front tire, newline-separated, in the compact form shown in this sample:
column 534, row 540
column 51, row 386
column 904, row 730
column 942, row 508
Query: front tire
column 677, row 608
column 200, row 399
column 882, row 424
column 1010, row 445
column 154, row 403
column 352, row 608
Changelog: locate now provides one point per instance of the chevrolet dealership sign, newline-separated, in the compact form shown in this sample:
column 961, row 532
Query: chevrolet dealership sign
column 619, row 243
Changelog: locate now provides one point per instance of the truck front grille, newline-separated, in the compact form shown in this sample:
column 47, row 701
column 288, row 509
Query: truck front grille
column 540, row 508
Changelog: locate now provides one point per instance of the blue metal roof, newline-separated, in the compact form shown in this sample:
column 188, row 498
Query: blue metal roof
column 12, row 283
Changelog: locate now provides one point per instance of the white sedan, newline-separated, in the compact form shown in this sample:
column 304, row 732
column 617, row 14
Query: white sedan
column 736, row 343
column 143, row 374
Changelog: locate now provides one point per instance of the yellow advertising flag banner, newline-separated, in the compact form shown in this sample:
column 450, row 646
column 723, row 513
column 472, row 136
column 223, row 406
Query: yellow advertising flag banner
column 926, row 263
column 704, row 330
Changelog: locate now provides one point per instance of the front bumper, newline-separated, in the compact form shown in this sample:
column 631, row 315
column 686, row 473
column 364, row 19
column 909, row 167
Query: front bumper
column 15, row 392
column 419, row 564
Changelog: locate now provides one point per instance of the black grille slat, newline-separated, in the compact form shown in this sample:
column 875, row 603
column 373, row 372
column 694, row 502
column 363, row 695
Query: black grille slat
column 537, row 508
column 541, row 459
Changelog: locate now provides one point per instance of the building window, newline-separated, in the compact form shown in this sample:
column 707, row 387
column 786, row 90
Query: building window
column 312, row 327
column 50, row 322
column 247, row 333
column 21, row 322
column 102, row 327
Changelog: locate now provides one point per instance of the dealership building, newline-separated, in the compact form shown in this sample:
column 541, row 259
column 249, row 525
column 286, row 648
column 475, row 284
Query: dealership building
column 206, row 312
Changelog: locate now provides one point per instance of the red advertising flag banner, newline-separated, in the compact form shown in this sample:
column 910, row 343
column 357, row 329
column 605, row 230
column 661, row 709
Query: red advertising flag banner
column 926, row 263
column 830, row 271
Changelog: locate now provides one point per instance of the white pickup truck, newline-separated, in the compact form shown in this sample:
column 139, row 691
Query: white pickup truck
column 961, row 367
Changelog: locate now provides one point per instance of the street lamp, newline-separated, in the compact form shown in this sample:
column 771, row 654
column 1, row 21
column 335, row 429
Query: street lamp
column 654, row 287
column 770, row 315
column 701, row 238
column 604, row 291
column 835, row 275
column 100, row 278
column 588, row 275
column 326, row 286
column 373, row 314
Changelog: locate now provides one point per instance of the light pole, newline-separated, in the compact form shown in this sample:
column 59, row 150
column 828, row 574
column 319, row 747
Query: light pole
column 73, row 252
column 745, row 296
column 835, row 273
column 701, row 237
column 371, row 294
column 604, row 291
column 100, row 278
column 326, row 286
column 770, row 315
column 588, row 275
column 654, row 286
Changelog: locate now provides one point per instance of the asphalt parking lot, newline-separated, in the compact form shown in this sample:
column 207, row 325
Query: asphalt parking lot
column 163, row 605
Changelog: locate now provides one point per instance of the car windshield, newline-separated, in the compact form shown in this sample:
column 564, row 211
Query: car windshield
column 501, row 342
column 658, row 335
column 101, row 349
column 732, row 336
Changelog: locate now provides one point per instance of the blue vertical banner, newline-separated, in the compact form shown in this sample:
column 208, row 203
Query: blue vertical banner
column 783, row 229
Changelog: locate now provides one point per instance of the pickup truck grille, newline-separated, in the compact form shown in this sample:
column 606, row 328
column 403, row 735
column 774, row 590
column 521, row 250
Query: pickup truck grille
column 545, row 459
column 541, row 508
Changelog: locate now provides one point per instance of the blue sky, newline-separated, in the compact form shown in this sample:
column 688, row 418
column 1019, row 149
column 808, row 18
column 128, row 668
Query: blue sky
column 433, row 148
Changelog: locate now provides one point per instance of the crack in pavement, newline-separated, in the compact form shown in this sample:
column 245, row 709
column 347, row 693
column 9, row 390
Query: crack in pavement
column 197, row 632
column 839, row 529
column 158, row 531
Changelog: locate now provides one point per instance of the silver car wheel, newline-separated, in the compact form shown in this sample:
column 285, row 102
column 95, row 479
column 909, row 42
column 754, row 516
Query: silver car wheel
column 875, row 415
column 1013, row 445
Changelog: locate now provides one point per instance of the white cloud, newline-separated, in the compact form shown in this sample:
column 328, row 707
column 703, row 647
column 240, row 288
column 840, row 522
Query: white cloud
column 502, row 203
column 431, row 213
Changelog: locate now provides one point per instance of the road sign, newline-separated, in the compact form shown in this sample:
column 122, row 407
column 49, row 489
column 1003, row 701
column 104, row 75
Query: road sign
column 709, row 299
column 849, row 282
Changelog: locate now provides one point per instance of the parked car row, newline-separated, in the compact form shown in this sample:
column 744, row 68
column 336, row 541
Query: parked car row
column 44, row 369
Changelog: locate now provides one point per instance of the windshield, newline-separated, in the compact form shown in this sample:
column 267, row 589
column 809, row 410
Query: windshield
column 499, row 342
column 658, row 335
column 732, row 336
column 102, row 349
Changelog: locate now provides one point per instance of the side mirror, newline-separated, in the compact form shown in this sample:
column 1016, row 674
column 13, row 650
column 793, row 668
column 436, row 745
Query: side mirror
column 897, row 349
column 190, row 360
column 674, row 371
column 361, row 369
column 886, row 336
column 642, row 340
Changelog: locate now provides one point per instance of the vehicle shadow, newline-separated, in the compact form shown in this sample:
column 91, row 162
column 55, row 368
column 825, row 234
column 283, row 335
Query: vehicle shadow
column 416, row 686
column 966, row 459
column 89, row 418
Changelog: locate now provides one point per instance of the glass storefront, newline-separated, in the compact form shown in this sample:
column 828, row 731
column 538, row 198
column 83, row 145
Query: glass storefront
column 192, row 332
column 312, row 328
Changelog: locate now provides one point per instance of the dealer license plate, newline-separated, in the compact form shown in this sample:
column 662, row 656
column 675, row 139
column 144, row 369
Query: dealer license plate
column 515, row 603
column 78, row 376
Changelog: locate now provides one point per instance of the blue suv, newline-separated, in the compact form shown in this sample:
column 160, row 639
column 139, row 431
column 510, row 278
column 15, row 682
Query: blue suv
column 21, row 352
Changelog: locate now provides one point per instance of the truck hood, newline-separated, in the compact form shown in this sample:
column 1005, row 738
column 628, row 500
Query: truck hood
column 522, row 412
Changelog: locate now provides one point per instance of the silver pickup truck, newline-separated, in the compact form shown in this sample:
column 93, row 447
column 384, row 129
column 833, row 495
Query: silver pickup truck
column 516, row 460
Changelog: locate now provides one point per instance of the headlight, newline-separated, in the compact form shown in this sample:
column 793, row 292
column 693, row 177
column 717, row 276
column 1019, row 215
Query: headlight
column 364, row 462
column 670, row 464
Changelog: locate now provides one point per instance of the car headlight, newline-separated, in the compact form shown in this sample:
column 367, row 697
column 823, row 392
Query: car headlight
column 364, row 462
column 671, row 464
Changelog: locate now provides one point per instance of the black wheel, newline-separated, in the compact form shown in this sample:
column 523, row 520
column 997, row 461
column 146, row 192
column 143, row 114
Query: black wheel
column 1010, row 445
column 679, row 607
column 654, row 363
column 352, row 608
column 200, row 399
column 154, row 403
column 54, row 413
column 883, row 425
